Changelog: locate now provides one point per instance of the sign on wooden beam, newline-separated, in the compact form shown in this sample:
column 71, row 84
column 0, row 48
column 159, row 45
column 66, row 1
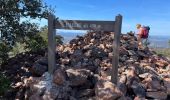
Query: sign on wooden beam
column 85, row 25
column 112, row 26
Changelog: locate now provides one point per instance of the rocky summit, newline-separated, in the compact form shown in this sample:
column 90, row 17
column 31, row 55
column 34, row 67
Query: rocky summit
column 83, row 71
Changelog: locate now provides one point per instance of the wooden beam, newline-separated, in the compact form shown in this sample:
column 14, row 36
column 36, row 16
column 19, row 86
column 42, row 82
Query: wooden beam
column 51, row 43
column 85, row 25
column 116, row 43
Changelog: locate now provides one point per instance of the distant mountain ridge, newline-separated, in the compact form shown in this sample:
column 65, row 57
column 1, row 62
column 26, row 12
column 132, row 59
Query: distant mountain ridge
column 156, row 41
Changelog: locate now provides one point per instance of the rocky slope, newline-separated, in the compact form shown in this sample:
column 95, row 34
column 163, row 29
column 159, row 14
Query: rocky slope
column 83, row 72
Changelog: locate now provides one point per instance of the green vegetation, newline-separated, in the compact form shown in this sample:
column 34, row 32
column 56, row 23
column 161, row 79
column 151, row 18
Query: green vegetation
column 4, row 84
column 12, row 30
column 34, row 41
column 163, row 51
column 18, row 36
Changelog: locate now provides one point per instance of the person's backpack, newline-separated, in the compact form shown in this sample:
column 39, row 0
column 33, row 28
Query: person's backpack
column 145, row 32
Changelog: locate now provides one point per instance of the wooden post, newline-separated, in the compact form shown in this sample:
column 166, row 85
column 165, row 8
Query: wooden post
column 116, row 43
column 51, row 43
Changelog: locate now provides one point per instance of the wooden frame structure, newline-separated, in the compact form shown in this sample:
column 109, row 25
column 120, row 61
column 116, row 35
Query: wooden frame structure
column 113, row 26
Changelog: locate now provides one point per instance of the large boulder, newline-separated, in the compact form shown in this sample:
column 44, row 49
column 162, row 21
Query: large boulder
column 59, row 77
column 106, row 90
column 38, row 69
column 77, row 77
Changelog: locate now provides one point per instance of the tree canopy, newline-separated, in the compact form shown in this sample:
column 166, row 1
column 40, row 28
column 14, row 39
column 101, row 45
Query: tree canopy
column 13, row 30
column 11, row 12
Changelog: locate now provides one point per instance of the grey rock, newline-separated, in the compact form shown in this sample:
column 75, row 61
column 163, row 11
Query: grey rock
column 138, row 89
column 106, row 90
column 38, row 69
column 77, row 77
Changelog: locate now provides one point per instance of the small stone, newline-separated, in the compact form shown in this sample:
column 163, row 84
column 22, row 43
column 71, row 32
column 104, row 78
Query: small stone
column 123, row 51
column 77, row 77
column 122, row 87
column 153, row 83
column 35, row 96
column 138, row 89
column 102, row 46
column 86, row 92
column 139, row 98
column 65, row 61
column 157, row 95
column 167, row 85
column 43, row 61
column 125, row 37
column 131, row 52
column 131, row 72
column 142, row 54
column 161, row 63
column 123, row 79
column 18, row 84
column 106, row 90
column 144, row 75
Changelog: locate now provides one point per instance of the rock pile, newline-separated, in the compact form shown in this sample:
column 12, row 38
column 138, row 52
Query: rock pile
column 17, row 68
column 84, row 72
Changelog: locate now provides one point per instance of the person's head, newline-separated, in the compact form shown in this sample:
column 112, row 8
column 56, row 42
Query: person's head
column 138, row 26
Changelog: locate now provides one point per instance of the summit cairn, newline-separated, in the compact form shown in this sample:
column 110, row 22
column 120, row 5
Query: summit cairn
column 84, row 71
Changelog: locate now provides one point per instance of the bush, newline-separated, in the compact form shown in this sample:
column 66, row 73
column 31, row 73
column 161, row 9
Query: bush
column 35, row 43
column 39, row 40
column 17, row 48
column 4, row 84
column 163, row 51
column 4, row 49
column 34, row 40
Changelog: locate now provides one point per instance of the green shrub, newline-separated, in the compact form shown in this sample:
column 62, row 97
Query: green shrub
column 4, row 49
column 163, row 51
column 17, row 48
column 35, row 43
column 4, row 84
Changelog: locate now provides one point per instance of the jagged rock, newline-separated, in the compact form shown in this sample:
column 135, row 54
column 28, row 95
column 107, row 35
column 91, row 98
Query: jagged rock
column 138, row 89
column 58, row 92
column 38, row 69
column 35, row 97
column 123, row 51
column 43, row 61
column 153, row 83
column 122, row 87
column 167, row 85
column 59, row 77
column 161, row 63
column 65, row 61
column 86, row 93
column 86, row 64
column 106, row 90
column 18, row 85
column 160, row 95
column 98, row 53
column 125, row 37
column 77, row 77
column 131, row 52
column 144, row 75
column 142, row 54
column 123, row 79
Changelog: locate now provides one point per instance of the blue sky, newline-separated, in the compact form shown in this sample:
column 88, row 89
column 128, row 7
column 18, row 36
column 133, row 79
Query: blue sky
column 155, row 13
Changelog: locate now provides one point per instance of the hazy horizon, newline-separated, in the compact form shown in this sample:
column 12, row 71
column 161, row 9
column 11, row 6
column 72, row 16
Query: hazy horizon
column 159, row 41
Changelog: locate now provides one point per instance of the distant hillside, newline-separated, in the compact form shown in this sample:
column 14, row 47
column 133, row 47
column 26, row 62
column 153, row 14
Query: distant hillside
column 155, row 40
column 159, row 41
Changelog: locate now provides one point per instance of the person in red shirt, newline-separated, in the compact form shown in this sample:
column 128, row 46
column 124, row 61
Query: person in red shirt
column 142, row 35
